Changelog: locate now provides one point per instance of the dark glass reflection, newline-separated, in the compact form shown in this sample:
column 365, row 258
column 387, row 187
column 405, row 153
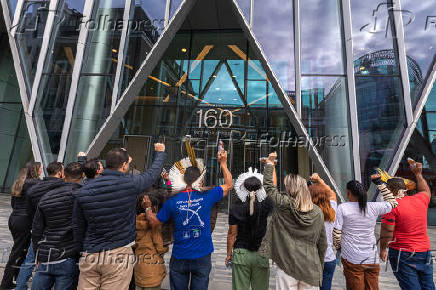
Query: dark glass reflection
column 94, row 92
column 148, row 18
column 422, row 148
column 50, row 106
column 381, row 121
column 325, row 115
column 29, row 35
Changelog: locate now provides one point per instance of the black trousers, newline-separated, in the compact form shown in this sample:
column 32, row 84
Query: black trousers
column 19, row 226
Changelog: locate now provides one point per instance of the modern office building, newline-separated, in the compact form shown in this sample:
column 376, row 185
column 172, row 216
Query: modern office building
column 337, row 87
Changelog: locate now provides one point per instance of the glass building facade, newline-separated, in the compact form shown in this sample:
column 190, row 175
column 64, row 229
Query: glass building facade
column 337, row 87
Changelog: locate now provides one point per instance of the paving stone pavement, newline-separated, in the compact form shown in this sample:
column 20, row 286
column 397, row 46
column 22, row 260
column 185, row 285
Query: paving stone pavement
column 220, row 278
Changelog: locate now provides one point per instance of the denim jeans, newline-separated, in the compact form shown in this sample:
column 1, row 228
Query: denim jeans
column 198, row 270
column 327, row 275
column 64, row 276
column 412, row 270
column 26, row 269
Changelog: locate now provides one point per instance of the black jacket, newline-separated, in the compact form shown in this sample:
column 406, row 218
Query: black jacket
column 35, row 193
column 52, row 231
column 19, row 203
column 105, row 209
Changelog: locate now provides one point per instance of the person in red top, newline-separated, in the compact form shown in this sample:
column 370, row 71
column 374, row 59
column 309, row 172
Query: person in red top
column 404, row 231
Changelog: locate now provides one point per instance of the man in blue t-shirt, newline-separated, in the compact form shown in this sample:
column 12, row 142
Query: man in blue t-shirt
column 191, row 209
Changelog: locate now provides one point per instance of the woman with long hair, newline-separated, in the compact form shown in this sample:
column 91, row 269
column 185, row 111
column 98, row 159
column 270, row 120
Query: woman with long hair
column 247, row 227
column 295, row 239
column 19, row 224
column 324, row 197
column 353, row 234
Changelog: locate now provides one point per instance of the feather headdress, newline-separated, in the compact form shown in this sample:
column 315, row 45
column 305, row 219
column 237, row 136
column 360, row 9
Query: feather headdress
column 384, row 176
column 243, row 193
column 177, row 171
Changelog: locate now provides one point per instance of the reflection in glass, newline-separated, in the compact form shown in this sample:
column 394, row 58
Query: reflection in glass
column 419, row 39
column 244, row 5
column 381, row 117
column 21, row 154
column 372, row 27
column 51, row 102
column 422, row 148
column 273, row 26
column 325, row 115
column 49, row 113
column 94, row 92
column 175, row 4
column 10, row 115
column 29, row 35
column 148, row 23
column 321, row 41
column 12, row 7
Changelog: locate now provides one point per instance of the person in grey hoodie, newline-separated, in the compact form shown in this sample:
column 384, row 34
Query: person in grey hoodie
column 295, row 239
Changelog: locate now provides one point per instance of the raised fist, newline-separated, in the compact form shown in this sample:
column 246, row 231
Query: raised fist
column 159, row 147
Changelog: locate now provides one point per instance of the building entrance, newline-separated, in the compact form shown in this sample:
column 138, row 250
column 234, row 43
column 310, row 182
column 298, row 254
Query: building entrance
column 207, row 87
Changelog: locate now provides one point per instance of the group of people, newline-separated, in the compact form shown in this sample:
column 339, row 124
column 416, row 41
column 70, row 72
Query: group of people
column 88, row 227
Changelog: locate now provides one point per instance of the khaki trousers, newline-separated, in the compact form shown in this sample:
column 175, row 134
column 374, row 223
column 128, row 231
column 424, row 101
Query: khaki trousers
column 361, row 276
column 110, row 269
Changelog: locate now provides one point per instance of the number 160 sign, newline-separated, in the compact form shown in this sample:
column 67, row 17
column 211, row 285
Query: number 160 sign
column 213, row 118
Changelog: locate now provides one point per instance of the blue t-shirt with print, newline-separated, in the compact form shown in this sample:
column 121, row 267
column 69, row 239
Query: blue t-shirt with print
column 192, row 236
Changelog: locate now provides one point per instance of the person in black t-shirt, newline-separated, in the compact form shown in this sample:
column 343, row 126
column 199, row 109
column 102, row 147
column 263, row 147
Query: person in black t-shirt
column 247, row 227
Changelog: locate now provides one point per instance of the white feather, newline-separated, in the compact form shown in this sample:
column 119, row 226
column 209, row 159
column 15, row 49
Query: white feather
column 177, row 178
column 242, row 192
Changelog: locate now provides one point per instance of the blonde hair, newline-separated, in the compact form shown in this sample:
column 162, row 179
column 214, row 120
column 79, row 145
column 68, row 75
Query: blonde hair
column 296, row 187
column 19, row 182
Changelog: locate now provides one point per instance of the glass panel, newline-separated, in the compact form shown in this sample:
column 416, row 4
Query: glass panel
column 381, row 121
column 49, row 114
column 420, row 39
column 29, row 35
column 50, row 106
column 148, row 19
column 422, row 148
column 431, row 101
column 372, row 27
column 9, row 90
column 12, row 7
column 244, row 5
column 103, row 41
column 20, row 155
column 10, row 115
column 325, row 115
column 92, row 106
column 175, row 4
column 274, row 30
column 321, row 42
column 94, row 92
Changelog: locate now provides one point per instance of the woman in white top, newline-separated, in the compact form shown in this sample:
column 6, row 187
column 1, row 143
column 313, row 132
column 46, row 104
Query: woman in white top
column 353, row 234
column 324, row 197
